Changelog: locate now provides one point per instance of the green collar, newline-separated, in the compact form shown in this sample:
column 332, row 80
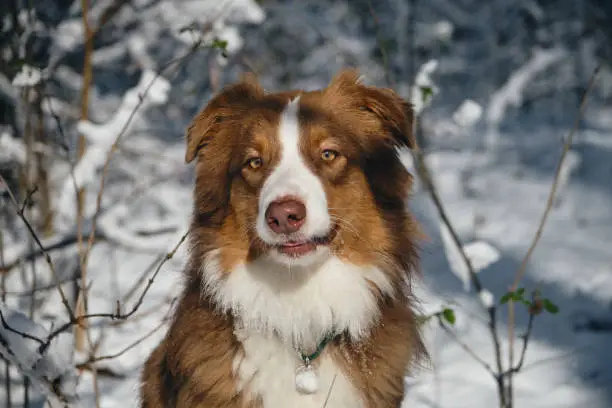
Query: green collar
column 311, row 357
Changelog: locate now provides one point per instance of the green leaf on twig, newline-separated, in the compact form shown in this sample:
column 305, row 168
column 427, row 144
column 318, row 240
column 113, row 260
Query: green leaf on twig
column 219, row 44
column 550, row 306
column 426, row 93
column 449, row 315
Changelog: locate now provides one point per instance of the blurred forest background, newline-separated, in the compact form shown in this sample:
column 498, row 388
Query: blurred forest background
column 95, row 197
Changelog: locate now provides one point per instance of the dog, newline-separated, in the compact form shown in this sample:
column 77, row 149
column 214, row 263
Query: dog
column 302, row 254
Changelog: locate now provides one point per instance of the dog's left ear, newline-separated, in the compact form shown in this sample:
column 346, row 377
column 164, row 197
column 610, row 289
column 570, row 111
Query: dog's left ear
column 383, row 112
column 396, row 114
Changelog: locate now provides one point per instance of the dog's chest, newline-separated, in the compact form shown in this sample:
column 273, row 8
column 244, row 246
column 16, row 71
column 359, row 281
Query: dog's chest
column 267, row 370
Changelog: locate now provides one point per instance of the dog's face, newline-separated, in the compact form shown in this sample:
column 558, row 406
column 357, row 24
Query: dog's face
column 299, row 195
column 297, row 177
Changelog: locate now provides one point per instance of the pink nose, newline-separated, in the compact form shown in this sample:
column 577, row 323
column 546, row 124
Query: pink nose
column 286, row 216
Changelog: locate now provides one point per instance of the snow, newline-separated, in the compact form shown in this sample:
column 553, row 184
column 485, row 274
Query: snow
column 480, row 254
column 151, row 90
column 467, row 114
column 487, row 298
column 27, row 76
column 558, row 358
column 48, row 368
column 511, row 93
column 11, row 148
column 69, row 34
column 492, row 164
column 444, row 30
column 424, row 88
column 570, row 165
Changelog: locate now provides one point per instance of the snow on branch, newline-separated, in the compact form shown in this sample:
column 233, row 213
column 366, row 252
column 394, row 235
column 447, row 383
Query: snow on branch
column 481, row 255
column 511, row 93
column 151, row 90
column 49, row 366
column 27, row 76
column 12, row 148
column 424, row 87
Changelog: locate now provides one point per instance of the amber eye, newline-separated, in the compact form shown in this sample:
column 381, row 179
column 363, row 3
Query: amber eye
column 328, row 155
column 254, row 163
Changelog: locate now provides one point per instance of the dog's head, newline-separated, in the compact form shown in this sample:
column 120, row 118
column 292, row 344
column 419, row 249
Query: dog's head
column 296, row 180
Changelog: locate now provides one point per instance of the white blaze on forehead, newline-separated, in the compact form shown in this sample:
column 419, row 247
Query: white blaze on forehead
column 291, row 177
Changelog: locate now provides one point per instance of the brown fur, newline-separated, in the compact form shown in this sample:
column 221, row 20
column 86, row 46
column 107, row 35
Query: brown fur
column 366, row 189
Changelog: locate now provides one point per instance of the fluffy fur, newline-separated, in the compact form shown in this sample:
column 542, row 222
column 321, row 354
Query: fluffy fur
column 249, row 305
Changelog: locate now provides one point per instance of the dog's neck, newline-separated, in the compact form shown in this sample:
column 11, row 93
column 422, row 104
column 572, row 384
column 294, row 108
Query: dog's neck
column 300, row 305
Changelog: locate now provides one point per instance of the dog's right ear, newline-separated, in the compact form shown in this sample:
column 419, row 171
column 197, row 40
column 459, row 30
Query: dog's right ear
column 213, row 138
column 229, row 104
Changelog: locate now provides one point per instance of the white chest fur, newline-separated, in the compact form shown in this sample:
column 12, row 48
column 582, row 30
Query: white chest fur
column 276, row 306
column 267, row 369
column 301, row 305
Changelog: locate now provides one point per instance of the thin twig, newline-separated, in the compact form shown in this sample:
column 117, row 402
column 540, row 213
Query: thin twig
column 19, row 332
column 54, row 244
column 549, row 204
column 567, row 145
column 40, row 245
column 526, row 337
column 465, row 347
column 118, row 139
column 142, row 278
column 95, row 359
column 80, row 332
column 7, row 364
column 26, row 379
column 427, row 179
column 118, row 315
column 44, row 344
column 425, row 175
column 61, row 243
column 27, row 199
column 38, row 289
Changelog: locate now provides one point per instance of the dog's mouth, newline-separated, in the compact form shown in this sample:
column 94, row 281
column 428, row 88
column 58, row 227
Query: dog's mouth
column 297, row 248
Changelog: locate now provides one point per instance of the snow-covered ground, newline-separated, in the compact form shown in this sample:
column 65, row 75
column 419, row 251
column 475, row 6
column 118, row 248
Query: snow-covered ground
column 493, row 178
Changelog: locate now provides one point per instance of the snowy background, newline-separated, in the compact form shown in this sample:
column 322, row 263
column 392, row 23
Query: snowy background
column 497, row 84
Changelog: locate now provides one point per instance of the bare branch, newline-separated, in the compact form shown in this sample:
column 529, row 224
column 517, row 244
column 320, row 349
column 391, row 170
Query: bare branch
column 567, row 145
column 118, row 139
column 549, row 204
column 60, row 243
column 118, row 315
column 18, row 332
column 526, row 338
column 42, row 248
column 94, row 359
column 466, row 347
column 425, row 175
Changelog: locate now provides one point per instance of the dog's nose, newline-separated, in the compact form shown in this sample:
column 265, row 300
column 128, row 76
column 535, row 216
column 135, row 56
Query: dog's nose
column 286, row 216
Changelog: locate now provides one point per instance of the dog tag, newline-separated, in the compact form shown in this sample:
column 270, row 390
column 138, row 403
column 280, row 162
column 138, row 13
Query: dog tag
column 306, row 380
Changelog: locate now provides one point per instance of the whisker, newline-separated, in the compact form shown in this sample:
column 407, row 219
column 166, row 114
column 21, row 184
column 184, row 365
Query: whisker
column 345, row 223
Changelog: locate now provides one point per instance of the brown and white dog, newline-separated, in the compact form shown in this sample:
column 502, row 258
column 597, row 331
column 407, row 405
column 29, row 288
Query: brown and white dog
column 297, row 290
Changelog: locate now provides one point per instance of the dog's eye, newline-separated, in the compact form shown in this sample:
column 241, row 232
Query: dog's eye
column 254, row 163
column 328, row 155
